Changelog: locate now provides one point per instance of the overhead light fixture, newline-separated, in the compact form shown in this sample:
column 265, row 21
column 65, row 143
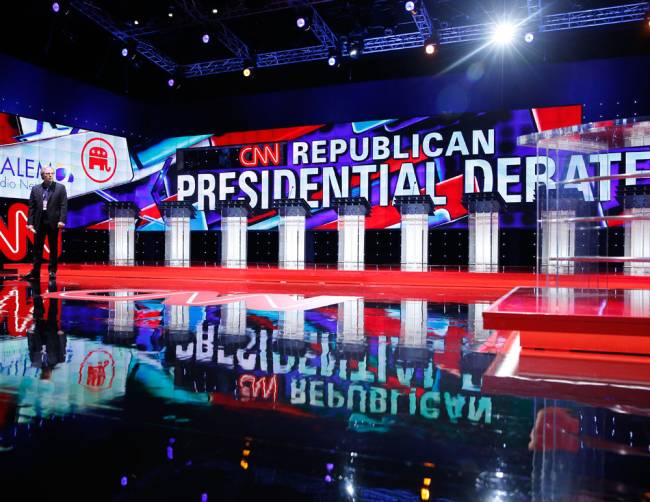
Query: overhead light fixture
column 303, row 19
column 136, row 22
column 170, row 14
column 130, row 50
column 174, row 81
column 249, row 66
column 409, row 6
column 334, row 58
column 61, row 7
column 430, row 47
column 205, row 38
column 215, row 11
column 504, row 33
column 356, row 48
column 529, row 37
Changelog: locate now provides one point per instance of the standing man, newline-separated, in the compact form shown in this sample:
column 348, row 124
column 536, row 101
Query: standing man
column 48, row 210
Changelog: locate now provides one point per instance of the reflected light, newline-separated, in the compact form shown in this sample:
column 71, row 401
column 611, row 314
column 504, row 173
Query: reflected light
column 349, row 488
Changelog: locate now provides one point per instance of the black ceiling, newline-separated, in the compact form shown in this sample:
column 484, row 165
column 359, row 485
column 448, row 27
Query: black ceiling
column 72, row 44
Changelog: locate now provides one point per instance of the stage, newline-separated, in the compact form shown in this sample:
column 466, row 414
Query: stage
column 265, row 373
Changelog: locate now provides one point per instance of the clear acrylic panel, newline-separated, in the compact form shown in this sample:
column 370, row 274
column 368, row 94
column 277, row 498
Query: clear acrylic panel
column 593, row 202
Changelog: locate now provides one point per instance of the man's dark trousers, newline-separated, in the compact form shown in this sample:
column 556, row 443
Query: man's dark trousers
column 52, row 232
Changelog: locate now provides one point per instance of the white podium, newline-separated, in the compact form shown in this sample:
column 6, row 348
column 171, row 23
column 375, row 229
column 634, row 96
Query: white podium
column 121, row 232
column 352, row 212
column 291, row 238
column 177, row 216
column 234, row 225
column 483, row 225
column 414, row 211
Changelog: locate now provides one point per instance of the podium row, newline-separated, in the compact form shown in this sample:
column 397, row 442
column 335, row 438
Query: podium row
column 352, row 212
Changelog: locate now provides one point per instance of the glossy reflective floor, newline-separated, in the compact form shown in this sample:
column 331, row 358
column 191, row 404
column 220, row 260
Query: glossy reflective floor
column 142, row 395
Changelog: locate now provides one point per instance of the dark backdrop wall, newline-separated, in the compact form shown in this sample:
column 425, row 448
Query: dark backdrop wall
column 607, row 88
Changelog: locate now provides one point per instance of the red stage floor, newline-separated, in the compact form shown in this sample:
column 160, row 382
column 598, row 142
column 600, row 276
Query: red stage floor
column 199, row 364
column 452, row 284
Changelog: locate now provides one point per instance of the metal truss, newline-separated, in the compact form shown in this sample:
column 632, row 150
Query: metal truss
column 470, row 33
column 392, row 43
column 301, row 55
column 212, row 67
column 231, row 41
column 224, row 34
column 595, row 17
column 243, row 8
column 98, row 16
column 478, row 32
column 322, row 32
column 534, row 7
column 423, row 21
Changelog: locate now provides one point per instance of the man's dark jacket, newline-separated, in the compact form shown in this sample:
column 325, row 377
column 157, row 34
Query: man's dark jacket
column 57, row 205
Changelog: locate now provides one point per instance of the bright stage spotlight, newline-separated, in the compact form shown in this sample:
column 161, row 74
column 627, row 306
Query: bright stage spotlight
column 247, row 71
column 303, row 19
column 529, row 37
column 302, row 22
column 60, row 7
column 334, row 58
column 504, row 33
column 174, row 82
column 130, row 50
column 205, row 38
column 409, row 6
column 430, row 47
column 356, row 48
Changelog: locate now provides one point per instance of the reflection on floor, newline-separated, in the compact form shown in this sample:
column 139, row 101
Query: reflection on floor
column 237, row 394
